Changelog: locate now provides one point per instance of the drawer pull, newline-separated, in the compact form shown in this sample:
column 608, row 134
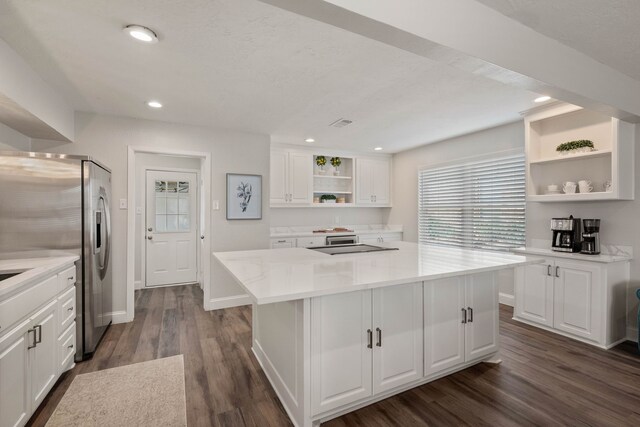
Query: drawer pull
column 70, row 309
column 38, row 329
column 70, row 346
column 33, row 343
column 70, row 278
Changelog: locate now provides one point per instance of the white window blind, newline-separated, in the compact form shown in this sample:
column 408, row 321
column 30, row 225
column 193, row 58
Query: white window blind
column 476, row 205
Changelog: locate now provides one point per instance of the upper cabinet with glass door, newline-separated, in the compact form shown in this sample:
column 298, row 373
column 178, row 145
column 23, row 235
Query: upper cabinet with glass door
column 602, row 172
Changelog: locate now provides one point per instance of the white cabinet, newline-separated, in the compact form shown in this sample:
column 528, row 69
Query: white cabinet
column 341, row 344
column 379, row 238
column 397, row 333
column 31, row 358
column 577, row 305
column 308, row 242
column 534, row 287
column 291, row 177
column 461, row 320
column 14, row 379
column 364, row 343
column 44, row 368
column 283, row 243
column 373, row 181
column 580, row 299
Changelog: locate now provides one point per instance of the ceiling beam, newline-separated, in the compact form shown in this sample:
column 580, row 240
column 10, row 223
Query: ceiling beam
column 470, row 36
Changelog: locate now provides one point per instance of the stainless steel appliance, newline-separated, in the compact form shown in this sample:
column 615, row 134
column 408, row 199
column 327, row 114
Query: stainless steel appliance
column 590, row 236
column 566, row 234
column 56, row 204
column 350, row 249
column 342, row 240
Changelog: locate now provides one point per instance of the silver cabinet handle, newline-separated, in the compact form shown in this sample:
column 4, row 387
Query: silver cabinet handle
column 379, row 332
column 282, row 241
column 70, row 278
column 369, row 338
column 38, row 329
column 549, row 270
column 70, row 309
column 464, row 315
column 470, row 314
column 33, row 343
column 557, row 271
column 70, row 346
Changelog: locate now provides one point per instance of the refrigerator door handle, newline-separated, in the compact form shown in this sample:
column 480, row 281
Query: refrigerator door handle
column 107, row 241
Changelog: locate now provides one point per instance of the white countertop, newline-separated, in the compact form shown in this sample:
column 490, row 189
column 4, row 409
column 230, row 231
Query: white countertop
column 37, row 268
column 604, row 258
column 307, row 231
column 275, row 275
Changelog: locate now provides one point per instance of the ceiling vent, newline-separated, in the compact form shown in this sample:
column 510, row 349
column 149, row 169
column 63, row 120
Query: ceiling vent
column 340, row 123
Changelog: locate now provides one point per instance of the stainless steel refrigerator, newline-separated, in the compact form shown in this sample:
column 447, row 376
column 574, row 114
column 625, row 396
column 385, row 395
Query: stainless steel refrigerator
column 56, row 204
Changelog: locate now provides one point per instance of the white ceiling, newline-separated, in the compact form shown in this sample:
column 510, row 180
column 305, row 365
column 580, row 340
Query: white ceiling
column 242, row 64
column 604, row 30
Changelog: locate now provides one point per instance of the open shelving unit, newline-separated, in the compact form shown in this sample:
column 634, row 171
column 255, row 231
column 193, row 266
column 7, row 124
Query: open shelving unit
column 612, row 160
column 335, row 181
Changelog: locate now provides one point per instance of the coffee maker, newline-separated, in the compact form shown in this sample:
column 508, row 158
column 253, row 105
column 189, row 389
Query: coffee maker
column 591, row 237
column 566, row 234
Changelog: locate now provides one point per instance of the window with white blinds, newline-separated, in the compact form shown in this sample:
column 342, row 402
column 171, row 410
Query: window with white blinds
column 475, row 205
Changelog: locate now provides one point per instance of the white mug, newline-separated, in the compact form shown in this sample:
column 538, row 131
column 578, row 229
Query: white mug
column 569, row 187
column 585, row 186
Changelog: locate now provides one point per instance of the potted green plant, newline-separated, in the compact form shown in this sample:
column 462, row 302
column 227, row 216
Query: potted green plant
column 336, row 162
column 327, row 198
column 321, row 161
column 577, row 146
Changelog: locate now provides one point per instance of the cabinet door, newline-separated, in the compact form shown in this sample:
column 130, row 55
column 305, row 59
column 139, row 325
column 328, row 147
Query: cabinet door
column 308, row 242
column 397, row 336
column 278, row 177
column 370, row 239
column 300, row 177
column 482, row 328
column 44, row 367
column 381, row 182
column 577, row 299
column 534, row 293
column 14, row 390
column 443, row 327
column 340, row 357
column 364, row 181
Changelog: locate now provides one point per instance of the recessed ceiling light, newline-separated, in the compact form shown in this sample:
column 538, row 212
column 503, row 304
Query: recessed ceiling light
column 309, row 140
column 378, row 148
column 542, row 99
column 154, row 104
column 141, row 33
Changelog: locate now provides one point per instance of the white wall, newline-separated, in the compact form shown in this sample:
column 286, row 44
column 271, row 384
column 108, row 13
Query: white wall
column 12, row 140
column 107, row 138
column 407, row 164
column 146, row 161
column 329, row 217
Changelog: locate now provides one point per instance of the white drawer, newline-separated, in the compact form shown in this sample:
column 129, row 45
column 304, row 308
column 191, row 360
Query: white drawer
column 306, row 242
column 67, row 308
column 283, row 243
column 67, row 348
column 66, row 278
column 26, row 302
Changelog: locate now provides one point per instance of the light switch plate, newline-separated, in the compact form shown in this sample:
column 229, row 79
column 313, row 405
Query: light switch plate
column 123, row 203
column 215, row 205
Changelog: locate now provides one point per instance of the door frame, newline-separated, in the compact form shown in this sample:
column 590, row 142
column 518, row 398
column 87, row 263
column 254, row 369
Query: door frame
column 199, row 205
column 205, row 200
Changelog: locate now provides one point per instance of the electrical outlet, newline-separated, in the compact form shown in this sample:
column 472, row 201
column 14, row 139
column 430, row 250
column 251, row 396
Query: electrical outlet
column 123, row 203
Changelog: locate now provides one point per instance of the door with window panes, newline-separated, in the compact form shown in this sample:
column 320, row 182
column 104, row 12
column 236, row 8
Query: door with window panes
column 171, row 228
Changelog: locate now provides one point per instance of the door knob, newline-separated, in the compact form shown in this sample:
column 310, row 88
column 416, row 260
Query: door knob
column 150, row 237
column 202, row 237
column 150, row 229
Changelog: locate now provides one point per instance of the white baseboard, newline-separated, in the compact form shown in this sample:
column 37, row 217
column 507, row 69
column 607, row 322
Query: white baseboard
column 227, row 302
column 506, row 299
column 119, row 317
column 632, row 334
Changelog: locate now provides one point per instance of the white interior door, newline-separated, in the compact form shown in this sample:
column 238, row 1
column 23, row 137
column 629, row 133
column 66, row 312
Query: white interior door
column 171, row 228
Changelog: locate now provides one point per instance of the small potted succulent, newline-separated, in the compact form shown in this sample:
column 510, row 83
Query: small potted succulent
column 321, row 161
column 327, row 198
column 336, row 162
column 573, row 147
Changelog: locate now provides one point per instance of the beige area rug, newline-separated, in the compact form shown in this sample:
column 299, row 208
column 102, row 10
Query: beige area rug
column 143, row 394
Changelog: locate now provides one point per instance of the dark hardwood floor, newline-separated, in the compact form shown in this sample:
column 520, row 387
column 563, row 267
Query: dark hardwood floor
column 544, row 380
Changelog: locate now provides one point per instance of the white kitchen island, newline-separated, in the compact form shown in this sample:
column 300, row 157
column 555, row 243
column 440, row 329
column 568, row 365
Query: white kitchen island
column 335, row 333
